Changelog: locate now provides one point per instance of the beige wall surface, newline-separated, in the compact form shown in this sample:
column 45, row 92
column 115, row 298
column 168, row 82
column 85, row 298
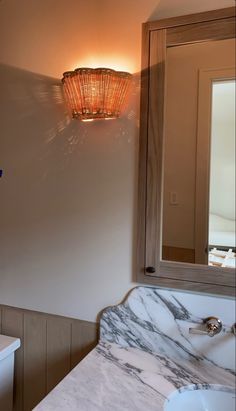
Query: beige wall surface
column 52, row 36
column 183, row 65
column 68, row 191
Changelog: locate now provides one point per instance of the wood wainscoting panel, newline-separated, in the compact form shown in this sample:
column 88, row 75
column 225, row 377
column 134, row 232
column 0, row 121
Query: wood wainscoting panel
column 84, row 334
column 58, row 350
column 51, row 346
column 35, row 355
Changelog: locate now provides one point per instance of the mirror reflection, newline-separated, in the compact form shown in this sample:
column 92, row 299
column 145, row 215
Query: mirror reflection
column 222, row 175
column 187, row 123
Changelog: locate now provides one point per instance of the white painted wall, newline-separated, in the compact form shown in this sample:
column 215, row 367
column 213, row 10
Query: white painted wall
column 68, row 190
column 67, row 201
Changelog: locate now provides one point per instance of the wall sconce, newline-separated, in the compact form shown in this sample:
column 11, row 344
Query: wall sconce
column 95, row 93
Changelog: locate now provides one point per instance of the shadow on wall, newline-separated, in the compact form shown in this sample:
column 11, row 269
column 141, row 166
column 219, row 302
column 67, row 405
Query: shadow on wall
column 39, row 140
column 33, row 114
column 66, row 185
column 34, row 118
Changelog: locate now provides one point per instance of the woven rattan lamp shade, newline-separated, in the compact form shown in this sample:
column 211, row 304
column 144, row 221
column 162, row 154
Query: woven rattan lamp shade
column 95, row 93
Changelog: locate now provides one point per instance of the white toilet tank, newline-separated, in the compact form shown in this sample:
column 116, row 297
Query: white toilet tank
column 8, row 346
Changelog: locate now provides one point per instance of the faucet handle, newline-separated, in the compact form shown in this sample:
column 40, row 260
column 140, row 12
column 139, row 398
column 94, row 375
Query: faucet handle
column 197, row 331
column 212, row 326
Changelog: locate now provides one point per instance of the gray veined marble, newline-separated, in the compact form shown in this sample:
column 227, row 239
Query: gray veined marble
column 157, row 321
column 114, row 378
column 144, row 355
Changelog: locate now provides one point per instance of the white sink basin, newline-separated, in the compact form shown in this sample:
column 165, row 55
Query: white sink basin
column 216, row 398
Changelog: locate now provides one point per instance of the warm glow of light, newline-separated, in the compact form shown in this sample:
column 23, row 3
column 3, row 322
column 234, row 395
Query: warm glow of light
column 92, row 119
column 118, row 63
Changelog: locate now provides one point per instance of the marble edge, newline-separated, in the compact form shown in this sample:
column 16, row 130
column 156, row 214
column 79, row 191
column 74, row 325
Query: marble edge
column 10, row 345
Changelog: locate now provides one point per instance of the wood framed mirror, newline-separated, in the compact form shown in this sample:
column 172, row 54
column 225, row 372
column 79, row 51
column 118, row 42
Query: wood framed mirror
column 176, row 129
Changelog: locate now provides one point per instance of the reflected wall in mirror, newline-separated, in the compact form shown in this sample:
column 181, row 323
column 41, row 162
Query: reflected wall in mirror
column 190, row 128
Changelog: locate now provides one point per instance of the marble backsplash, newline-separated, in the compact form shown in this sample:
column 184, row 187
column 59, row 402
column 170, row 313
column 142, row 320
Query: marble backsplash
column 158, row 321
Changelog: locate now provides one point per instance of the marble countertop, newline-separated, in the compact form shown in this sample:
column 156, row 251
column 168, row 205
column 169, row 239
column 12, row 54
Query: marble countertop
column 145, row 354
column 115, row 378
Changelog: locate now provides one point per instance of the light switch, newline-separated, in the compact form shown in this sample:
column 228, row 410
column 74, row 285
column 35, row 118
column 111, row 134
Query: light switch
column 173, row 198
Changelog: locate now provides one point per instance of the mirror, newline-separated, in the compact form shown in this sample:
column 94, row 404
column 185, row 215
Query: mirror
column 186, row 90
column 185, row 222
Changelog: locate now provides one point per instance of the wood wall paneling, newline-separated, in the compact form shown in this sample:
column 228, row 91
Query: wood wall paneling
column 58, row 351
column 84, row 337
column 35, row 355
column 50, row 347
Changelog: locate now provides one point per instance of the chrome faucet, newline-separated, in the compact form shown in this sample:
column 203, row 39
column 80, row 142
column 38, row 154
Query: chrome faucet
column 211, row 327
